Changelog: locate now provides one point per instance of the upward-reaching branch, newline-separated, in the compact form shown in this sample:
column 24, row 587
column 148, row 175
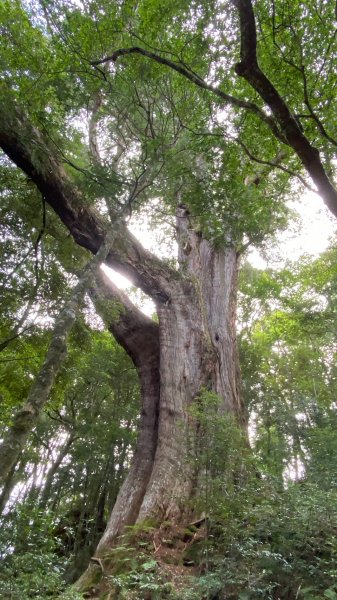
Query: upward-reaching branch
column 249, row 69
column 283, row 123
column 28, row 149
column 92, row 130
column 183, row 70
column 138, row 334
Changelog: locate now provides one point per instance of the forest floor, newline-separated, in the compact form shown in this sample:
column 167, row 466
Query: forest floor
column 142, row 564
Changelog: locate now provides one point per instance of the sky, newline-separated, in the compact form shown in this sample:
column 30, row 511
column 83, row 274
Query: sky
column 310, row 234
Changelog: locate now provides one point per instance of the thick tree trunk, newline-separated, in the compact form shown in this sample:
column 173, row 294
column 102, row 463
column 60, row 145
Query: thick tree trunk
column 192, row 348
column 196, row 349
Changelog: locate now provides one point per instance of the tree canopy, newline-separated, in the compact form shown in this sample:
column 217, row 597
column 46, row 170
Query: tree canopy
column 131, row 441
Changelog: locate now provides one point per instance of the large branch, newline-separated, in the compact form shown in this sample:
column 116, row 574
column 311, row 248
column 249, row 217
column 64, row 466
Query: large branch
column 139, row 335
column 28, row 149
column 283, row 124
column 249, row 69
column 198, row 81
column 133, row 330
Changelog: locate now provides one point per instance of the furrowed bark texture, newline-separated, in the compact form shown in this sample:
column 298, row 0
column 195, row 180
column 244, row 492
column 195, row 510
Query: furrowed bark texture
column 139, row 336
column 197, row 350
column 193, row 347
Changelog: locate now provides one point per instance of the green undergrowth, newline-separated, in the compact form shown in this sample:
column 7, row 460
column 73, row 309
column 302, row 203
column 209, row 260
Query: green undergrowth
column 250, row 538
column 262, row 544
column 270, row 546
column 256, row 540
column 266, row 545
column 30, row 565
column 130, row 569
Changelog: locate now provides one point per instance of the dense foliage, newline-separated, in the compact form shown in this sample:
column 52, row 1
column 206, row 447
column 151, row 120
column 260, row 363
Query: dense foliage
column 271, row 533
column 137, row 109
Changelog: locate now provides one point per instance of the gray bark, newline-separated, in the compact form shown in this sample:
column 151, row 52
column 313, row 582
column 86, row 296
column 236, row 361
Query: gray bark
column 193, row 347
column 196, row 348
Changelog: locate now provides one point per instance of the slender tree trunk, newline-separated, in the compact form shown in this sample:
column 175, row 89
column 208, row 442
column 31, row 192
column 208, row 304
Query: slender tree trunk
column 8, row 487
column 26, row 417
column 19, row 328
column 64, row 450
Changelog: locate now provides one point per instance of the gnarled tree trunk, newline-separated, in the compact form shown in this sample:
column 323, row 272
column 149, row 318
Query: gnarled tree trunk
column 193, row 346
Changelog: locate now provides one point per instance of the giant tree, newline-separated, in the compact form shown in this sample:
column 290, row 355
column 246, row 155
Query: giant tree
column 164, row 109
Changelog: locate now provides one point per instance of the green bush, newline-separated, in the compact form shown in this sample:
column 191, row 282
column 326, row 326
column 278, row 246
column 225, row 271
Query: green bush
column 30, row 566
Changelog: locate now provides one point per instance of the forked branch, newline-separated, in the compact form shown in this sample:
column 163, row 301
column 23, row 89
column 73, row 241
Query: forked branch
column 134, row 331
column 198, row 81
column 29, row 150
column 283, row 123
